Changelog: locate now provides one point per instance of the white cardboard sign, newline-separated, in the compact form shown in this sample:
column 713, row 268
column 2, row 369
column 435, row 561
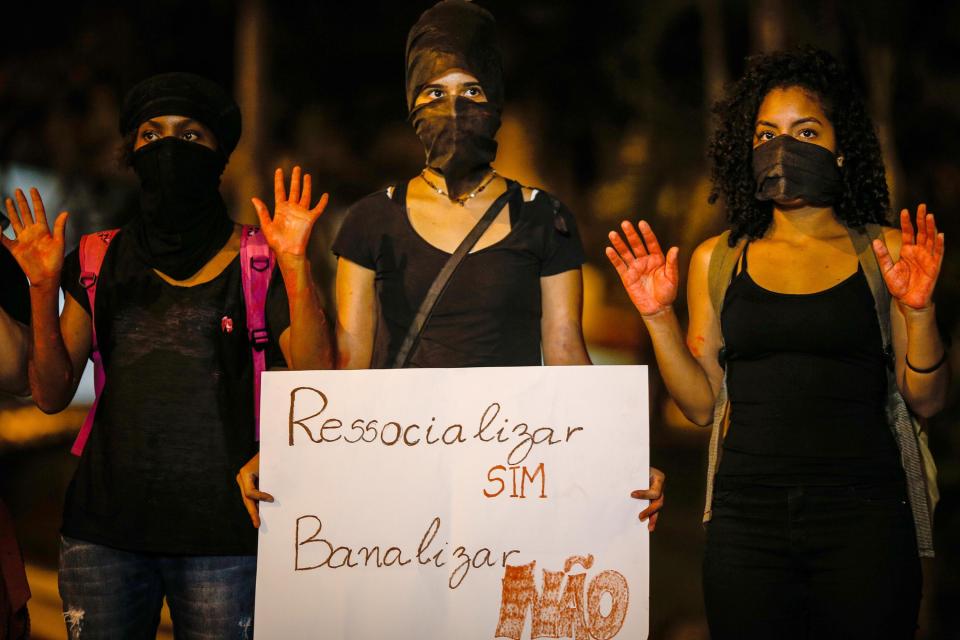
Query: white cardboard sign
column 454, row 503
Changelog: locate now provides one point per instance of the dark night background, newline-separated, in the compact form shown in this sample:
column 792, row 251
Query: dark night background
column 607, row 107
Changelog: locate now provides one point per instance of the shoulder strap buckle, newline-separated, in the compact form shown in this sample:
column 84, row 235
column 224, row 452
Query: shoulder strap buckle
column 260, row 263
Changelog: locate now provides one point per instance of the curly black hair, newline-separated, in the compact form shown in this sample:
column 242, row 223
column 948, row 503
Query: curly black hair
column 865, row 196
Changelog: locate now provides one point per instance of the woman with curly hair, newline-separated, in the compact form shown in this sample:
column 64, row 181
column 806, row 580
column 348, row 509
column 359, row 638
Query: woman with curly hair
column 812, row 331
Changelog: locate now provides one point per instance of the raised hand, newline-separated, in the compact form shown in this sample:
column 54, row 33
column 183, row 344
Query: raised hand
column 911, row 279
column 650, row 278
column 38, row 253
column 288, row 231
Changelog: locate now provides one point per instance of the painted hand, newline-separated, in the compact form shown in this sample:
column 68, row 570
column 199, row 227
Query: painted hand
column 38, row 253
column 650, row 278
column 248, row 479
column 288, row 231
column 655, row 495
column 911, row 279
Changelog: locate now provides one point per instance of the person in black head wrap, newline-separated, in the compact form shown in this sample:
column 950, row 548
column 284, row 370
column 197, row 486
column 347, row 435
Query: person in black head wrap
column 183, row 219
column 516, row 297
column 457, row 133
column 153, row 510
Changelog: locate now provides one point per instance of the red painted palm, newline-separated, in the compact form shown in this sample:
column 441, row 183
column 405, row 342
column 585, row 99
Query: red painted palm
column 650, row 277
column 912, row 278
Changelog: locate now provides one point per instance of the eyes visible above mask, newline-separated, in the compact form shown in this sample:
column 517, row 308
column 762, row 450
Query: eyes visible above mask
column 807, row 134
column 178, row 127
column 455, row 84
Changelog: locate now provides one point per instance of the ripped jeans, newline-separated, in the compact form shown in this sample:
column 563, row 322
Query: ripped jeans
column 109, row 593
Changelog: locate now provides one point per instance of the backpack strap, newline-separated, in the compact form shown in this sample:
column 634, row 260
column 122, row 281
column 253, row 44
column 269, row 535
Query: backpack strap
column 723, row 259
column 256, row 268
column 862, row 239
column 93, row 249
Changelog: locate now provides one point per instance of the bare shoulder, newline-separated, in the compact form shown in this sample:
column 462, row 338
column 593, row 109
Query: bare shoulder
column 529, row 193
column 700, row 260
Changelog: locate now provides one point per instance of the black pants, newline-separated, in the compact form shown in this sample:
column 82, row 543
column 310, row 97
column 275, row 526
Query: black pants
column 811, row 562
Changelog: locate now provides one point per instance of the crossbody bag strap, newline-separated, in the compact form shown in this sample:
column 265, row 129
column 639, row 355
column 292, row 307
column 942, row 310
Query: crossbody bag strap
column 412, row 339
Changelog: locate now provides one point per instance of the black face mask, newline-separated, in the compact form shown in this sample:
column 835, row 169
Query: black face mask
column 458, row 137
column 183, row 221
column 788, row 169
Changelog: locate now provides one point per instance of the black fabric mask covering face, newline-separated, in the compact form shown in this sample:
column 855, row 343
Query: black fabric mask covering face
column 788, row 169
column 183, row 221
column 458, row 136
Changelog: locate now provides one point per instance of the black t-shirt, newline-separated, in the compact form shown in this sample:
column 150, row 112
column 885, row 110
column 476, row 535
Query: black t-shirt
column 489, row 315
column 175, row 421
column 14, row 289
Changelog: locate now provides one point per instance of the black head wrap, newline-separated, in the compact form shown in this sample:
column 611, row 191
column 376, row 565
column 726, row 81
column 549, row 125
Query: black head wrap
column 184, row 94
column 183, row 221
column 454, row 34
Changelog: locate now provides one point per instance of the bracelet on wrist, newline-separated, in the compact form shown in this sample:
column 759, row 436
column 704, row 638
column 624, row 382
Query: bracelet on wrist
column 939, row 364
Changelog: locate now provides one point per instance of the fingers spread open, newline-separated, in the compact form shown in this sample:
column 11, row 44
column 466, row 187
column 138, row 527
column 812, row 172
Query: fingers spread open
column 294, row 195
column 615, row 260
column 15, row 221
column 321, row 205
column 906, row 227
column 279, row 192
column 883, row 255
column 40, row 215
column 931, row 232
column 306, row 191
column 625, row 253
column 59, row 225
column 262, row 212
column 673, row 264
column 24, row 208
column 636, row 244
column 922, row 225
column 649, row 238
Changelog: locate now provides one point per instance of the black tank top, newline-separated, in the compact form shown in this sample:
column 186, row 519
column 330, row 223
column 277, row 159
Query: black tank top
column 807, row 384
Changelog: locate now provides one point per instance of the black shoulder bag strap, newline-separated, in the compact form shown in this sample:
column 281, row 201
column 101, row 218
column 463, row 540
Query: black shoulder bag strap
column 412, row 339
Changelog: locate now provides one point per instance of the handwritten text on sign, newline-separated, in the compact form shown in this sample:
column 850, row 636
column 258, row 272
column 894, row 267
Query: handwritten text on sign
column 467, row 503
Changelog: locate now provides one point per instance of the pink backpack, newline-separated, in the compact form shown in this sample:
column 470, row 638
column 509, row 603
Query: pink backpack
column 256, row 267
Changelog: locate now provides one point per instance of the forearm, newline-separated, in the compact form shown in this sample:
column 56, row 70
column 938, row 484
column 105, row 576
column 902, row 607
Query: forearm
column 13, row 355
column 683, row 376
column 565, row 346
column 310, row 345
column 925, row 392
column 354, row 350
column 50, row 370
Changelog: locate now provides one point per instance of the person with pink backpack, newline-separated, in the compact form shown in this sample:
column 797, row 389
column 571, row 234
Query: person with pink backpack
column 180, row 310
